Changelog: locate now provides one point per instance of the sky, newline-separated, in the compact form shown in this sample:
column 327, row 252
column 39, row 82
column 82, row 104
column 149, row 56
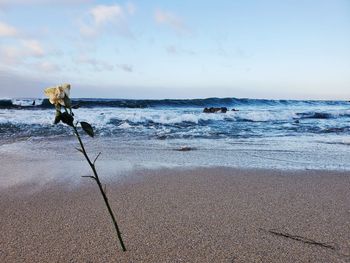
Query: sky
column 290, row 49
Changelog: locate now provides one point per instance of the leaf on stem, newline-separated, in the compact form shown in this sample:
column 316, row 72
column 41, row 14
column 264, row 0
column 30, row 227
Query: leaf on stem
column 58, row 107
column 67, row 118
column 57, row 117
column 67, row 102
column 87, row 128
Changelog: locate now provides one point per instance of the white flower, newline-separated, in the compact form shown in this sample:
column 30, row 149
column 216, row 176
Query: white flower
column 58, row 95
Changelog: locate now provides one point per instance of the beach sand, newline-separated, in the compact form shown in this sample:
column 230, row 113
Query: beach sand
column 181, row 215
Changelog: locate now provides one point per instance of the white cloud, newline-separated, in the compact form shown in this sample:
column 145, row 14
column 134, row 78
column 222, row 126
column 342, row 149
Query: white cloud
column 101, row 17
column 96, row 64
column 10, row 55
column 33, row 48
column 7, row 3
column 126, row 67
column 7, row 30
column 101, row 65
column 48, row 67
column 24, row 51
column 103, row 13
column 171, row 20
column 15, row 55
column 131, row 8
column 21, row 49
column 174, row 50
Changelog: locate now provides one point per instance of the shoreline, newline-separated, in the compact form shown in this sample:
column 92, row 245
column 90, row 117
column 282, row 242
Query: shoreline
column 42, row 159
column 193, row 215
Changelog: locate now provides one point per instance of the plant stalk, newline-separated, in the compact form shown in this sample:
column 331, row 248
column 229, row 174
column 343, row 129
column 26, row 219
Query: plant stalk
column 103, row 193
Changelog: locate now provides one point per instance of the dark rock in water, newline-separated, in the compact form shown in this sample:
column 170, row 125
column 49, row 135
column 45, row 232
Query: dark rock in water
column 234, row 109
column 297, row 121
column 185, row 149
column 161, row 137
column 215, row 110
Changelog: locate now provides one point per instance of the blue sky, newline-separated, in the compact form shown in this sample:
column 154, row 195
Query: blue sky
column 176, row 49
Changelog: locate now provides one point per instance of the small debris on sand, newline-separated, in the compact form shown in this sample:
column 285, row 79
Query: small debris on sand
column 185, row 149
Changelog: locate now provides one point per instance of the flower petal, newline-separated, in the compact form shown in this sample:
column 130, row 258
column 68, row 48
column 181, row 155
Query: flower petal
column 61, row 102
column 66, row 88
column 60, row 92
column 52, row 100
column 50, row 91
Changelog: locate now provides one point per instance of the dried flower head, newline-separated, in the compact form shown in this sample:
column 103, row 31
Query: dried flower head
column 59, row 95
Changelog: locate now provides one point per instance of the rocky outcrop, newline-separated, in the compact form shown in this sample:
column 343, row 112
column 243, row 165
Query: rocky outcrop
column 215, row 110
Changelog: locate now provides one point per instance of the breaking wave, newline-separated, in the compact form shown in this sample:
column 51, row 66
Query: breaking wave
column 183, row 122
column 171, row 103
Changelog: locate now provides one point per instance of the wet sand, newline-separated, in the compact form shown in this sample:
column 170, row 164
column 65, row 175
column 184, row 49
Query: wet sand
column 174, row 215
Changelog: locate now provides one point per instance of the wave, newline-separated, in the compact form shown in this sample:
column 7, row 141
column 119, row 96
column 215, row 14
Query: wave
column 345, row 143
column 23, row 103
column 181, row 123
column 32, row 103
column 181, row 118
column 323, row 115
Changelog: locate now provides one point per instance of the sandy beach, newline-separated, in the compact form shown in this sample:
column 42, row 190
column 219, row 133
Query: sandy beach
column 174, row 131
column 189, row 215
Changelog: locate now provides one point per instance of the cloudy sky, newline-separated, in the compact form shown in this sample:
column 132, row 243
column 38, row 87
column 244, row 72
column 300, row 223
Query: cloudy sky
column 176, row 49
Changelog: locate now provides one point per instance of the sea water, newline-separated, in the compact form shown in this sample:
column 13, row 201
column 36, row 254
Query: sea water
column 283, row 134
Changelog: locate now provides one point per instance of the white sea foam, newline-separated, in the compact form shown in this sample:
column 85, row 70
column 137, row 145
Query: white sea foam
column 266, row 115
column 185, row 122
column 101, row 117
column 41, row 117
column 27, row 102
column 124, row 125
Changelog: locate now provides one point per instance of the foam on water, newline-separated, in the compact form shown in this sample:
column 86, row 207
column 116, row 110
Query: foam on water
column 249, row 121
column 27, row 102
column 262, row 134
column 177, row 103
column 183, row 119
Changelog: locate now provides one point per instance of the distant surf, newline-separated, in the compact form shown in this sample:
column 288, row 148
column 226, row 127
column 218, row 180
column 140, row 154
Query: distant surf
column 181, row 119
column 262, row 133
column 130, row 103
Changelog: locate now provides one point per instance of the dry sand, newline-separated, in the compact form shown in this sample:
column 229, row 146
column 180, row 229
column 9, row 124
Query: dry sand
column 198, row 215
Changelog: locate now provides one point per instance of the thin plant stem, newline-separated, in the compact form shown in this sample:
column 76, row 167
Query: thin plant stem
column 97, row 180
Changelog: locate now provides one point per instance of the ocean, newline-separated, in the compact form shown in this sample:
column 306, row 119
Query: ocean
column 283, row 134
